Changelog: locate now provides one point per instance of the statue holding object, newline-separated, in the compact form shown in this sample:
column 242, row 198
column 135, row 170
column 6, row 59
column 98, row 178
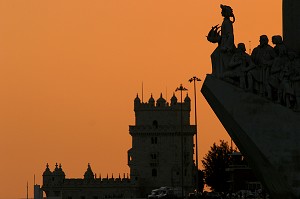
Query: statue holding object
column 225, row 39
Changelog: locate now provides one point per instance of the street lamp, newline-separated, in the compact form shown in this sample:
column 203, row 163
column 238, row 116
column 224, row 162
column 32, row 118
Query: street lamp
column 181, row 89
column 194, row 79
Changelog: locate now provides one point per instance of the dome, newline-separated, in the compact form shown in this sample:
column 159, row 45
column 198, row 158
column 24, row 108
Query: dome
column 47, row 171
column 60, row 171
column 137, row 99
column 151, row 100
column 173, row 99
column 89, row 173
column 161, row 101
column 56, row 170
column 187, row 99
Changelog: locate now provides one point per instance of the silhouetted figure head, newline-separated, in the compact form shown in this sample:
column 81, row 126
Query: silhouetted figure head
column 279, row 47
column 277, row 39
column 241, row 47
column 227, row 12
column 263, row 40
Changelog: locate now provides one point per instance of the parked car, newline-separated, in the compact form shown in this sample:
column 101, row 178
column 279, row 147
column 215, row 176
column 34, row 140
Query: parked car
column 154, row 194
column 162, row 193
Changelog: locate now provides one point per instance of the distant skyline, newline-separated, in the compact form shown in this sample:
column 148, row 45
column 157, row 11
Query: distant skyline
column 70, row 71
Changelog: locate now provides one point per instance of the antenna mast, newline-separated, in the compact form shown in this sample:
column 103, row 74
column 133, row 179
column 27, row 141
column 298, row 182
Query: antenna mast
column 142, row 92
column 27, row 190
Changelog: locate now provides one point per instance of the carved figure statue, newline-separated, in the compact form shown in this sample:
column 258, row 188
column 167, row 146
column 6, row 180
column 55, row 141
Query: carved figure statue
column 294, row 65
column 263, row 56
column 240, row 64
column 276, row 71
column 225, row 38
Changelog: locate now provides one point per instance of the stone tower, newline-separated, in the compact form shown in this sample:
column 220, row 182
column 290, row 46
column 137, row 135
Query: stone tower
column 156, row 158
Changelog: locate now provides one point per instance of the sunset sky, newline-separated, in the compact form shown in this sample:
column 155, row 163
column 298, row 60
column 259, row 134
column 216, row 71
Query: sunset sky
column 70, row 70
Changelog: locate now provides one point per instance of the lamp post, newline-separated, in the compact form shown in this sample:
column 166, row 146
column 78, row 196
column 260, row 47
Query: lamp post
column 194, row 79
column 181, row 89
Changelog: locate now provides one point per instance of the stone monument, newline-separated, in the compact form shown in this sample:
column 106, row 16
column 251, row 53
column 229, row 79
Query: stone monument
column 262, row 116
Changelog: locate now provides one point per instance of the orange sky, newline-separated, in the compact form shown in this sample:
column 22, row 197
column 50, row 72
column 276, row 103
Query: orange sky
column 70, row 69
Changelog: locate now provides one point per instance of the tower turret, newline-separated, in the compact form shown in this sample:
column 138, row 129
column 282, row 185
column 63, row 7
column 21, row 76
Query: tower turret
column 47, row 176
column 173, row 100
column 161, row 102
column 88, row 175
column 187, row 99
column 58, row 175
column 151, row 101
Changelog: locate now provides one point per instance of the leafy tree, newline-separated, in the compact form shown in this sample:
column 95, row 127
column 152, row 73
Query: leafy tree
column 214, row 163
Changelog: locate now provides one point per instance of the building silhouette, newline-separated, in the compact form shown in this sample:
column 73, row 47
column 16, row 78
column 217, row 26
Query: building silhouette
column 156, row 158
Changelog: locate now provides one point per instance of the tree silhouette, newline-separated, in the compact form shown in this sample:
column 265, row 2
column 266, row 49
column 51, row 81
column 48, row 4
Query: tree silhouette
column 214, row 163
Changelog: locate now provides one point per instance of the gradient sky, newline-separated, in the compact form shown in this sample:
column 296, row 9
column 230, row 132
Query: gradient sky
column 70, row 70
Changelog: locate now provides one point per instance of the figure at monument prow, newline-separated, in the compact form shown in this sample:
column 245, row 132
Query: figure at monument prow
column 221, row 56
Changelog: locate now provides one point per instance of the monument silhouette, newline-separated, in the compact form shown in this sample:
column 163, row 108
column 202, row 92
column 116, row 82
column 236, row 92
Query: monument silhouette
column 256, row 97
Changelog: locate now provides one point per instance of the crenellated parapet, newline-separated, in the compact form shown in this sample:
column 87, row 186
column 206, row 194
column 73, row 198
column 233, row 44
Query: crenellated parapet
column 162, row 104
column 160, row 112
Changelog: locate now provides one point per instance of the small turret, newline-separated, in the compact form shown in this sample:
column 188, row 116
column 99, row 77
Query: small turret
column 88, row 175
column 173, row 100
column 151, row 101
column 47, row 176
column 58, row 175
column 187, row 99
column 60, row 170
column 161, row 102
column 137, row 100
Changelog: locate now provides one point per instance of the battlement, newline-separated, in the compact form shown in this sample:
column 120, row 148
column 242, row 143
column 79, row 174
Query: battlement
column 160, row 112
column 162, row 104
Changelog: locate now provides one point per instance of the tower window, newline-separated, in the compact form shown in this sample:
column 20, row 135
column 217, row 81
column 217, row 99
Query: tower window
column 154, row 140
column 154, row 172
column 155, row 123
column 153, row 156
